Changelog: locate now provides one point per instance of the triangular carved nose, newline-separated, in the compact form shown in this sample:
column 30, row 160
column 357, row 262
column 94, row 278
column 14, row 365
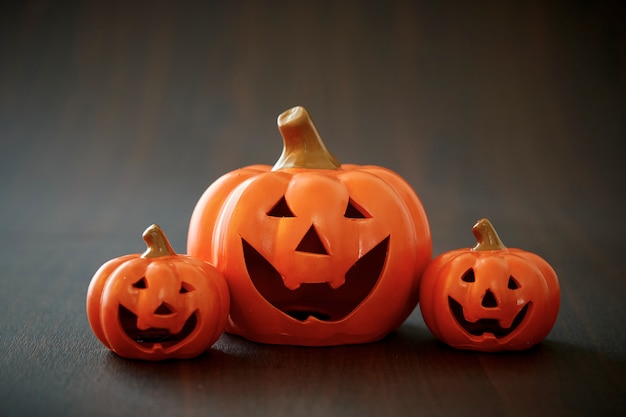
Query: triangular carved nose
column 489, row 300
column 312, row 243
column 163, row 310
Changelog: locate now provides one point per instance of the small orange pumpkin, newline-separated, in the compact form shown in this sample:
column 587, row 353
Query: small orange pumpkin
column 489, row 297
column 157, row 305
column 315, row 253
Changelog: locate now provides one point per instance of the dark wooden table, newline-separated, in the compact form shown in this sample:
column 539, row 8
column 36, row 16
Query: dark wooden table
column 118, row 114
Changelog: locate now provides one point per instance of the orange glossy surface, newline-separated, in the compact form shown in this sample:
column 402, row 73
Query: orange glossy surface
column 313, row 256
column 489, row 297
column 157, row 305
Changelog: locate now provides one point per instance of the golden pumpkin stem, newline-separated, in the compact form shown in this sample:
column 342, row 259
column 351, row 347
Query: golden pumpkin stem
column 157, row 243
column 303, row 146
column 486, row 236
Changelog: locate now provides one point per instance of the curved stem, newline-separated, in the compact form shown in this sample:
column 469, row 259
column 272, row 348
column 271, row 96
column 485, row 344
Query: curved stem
column 157, row 243
column 486, row 236
column 303, row 146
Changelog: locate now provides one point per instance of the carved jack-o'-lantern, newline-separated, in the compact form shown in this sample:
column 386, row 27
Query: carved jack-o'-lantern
column 315, row 253
column 157, row 305
column 489, row 298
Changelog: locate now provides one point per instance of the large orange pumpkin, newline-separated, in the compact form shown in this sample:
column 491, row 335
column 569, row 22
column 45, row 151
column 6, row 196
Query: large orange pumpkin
column 315, row 252
column 489, row 297
column 157, row 305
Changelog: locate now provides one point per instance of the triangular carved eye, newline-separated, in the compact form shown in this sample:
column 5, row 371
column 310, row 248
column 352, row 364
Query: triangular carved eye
column 354, row 211
column 141, row 283
column 468, row 276
column 513, row 284
column 281, row 209
column 185, row 288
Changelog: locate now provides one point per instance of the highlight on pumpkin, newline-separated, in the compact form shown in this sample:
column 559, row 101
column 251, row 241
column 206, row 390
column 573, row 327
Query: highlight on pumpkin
column 303, row 146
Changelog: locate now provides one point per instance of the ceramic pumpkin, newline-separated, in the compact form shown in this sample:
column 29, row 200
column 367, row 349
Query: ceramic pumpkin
column 157, row 305
column 489, row 297
column 315, row 253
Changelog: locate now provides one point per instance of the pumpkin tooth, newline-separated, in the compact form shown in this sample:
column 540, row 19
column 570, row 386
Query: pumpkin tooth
column 337, row 283
column 506, row 323
column 141, row 324
column 176, row 329
column 292, row 285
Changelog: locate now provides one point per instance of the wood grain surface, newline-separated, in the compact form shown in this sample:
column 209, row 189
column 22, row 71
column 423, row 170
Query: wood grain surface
column 118, row 114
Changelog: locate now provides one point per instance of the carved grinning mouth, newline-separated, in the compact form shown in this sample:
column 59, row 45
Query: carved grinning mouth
column 153, row 336
column 482, row 326
column 317, row 300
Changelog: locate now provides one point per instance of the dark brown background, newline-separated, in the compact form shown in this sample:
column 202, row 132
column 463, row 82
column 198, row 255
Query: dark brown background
column 115, row 115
